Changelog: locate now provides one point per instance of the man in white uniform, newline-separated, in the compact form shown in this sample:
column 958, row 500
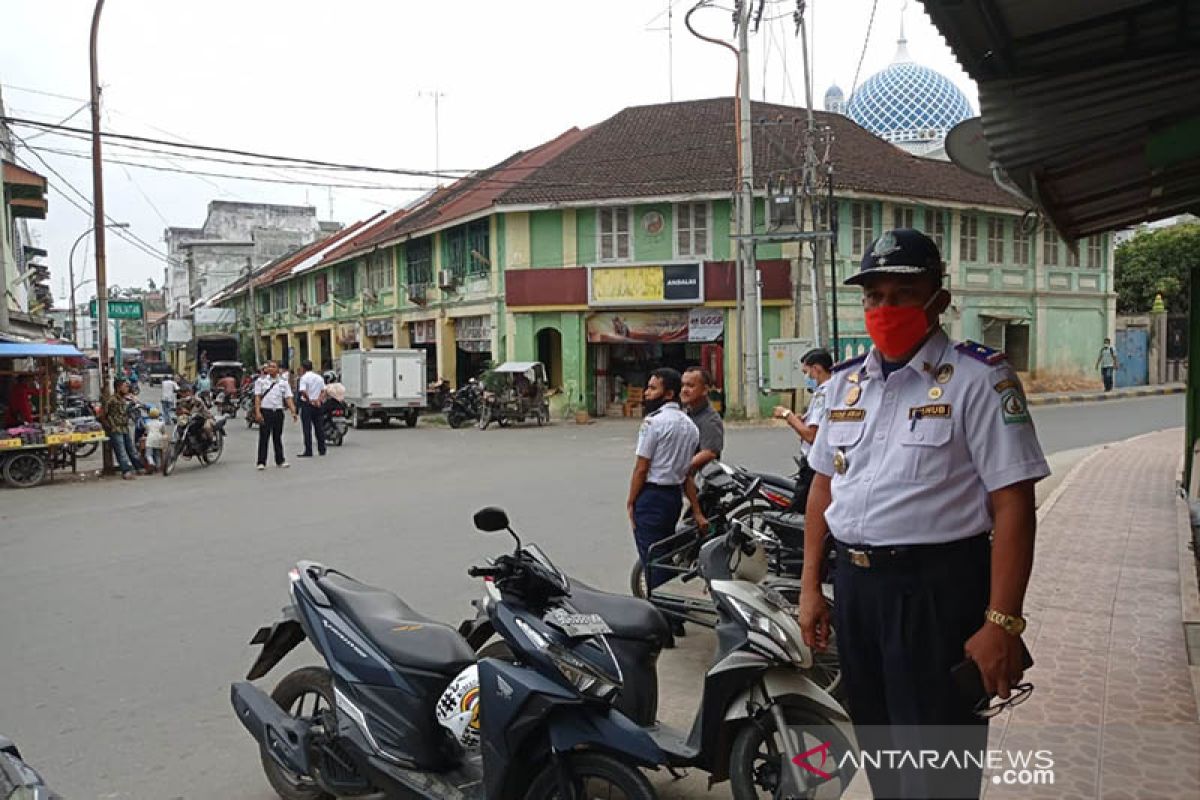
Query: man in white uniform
column 271, row 394
column 925, row 471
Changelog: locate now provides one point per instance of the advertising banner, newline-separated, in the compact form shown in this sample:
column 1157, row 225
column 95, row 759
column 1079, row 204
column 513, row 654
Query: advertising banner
column 215, row 316
column 179, row 331
column 645, row 285
column 705, row 324
column 638, row 327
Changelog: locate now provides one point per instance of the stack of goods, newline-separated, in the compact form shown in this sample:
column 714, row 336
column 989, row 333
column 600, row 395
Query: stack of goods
column 86, row 425
column 28, row 434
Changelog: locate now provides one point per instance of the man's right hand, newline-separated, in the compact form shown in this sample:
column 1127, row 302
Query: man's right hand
column 814, row 618
column 258, row 417
column 781, row 412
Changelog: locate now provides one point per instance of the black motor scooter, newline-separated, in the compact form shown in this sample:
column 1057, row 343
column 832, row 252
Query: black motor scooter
column 371, row 721
column 762, row 705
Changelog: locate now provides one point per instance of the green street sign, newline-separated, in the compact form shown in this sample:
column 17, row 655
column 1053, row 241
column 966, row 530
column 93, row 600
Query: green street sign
column 121, row 309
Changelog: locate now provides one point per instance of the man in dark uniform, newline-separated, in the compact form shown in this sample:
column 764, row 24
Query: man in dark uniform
column 925, row 471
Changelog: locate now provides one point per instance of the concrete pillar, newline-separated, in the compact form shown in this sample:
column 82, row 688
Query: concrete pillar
column 447, row 351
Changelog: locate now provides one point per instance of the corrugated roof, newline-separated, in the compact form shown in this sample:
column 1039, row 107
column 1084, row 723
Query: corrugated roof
column 1090, row 108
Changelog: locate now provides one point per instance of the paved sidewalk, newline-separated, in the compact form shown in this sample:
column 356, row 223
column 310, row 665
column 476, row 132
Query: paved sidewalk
column 1114, row 700
column 1094, row 395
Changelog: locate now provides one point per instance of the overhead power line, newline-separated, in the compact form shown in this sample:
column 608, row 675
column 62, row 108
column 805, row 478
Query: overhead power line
column 866, row 41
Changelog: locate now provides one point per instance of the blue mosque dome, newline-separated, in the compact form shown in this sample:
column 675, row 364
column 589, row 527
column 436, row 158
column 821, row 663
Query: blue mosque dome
column 908, row 104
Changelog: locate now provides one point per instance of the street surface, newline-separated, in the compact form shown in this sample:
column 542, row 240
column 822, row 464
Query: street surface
column 125, row 607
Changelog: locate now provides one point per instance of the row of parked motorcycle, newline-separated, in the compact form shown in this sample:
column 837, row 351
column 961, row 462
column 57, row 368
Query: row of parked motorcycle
column 551, row 689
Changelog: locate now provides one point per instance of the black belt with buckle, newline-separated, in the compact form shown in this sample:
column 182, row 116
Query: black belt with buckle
column 868, row 557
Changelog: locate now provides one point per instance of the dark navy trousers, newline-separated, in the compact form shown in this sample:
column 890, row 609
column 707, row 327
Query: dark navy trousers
column 901, row 625
column 655, row 513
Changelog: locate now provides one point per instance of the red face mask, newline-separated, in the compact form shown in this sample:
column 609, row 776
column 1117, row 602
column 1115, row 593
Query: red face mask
column 897, row 330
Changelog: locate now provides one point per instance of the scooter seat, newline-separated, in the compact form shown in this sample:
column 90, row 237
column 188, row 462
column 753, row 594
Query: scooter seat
column 629, row 617
column 787, row 525
column 406, row 636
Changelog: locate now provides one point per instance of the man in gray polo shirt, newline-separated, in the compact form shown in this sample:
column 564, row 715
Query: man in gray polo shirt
column 696, row 384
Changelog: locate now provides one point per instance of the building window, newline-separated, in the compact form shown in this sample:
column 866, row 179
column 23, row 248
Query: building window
column 968, row 237
column 1049, row 246
column 862, row 228
column 1073, row 256
column 1021, row 243
column 691, row 229
column 279, row 297
column 345, row 283
column 380, row 274
column 1094, row 244
column 264, row 302
column 935, row 225
column 321, row 287
column 419, row 253
column 902, row 217
column 995, row 240
column 466, row 249
column 615, row 227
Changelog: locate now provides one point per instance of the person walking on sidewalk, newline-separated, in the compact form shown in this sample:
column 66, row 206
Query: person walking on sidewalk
column 312, row 396
column 818, row 369
column 271, row 394
column 925, row 471
column 667, row 441
column 115, row 417
column 1107, row 363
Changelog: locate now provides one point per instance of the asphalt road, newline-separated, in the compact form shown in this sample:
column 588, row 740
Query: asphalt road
column 125, row 607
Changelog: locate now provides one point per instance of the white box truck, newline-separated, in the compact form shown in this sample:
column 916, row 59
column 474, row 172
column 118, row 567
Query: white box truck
column 384, row 385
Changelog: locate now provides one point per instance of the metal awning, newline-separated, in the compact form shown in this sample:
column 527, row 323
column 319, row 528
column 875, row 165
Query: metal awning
column 1090, row 107
column 38, row 350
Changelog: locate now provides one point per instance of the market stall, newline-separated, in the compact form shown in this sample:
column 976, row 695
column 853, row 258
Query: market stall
column 35, row 441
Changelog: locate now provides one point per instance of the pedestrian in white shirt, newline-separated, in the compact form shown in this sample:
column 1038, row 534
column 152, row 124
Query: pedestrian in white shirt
column 155, row 439
column 169, row 390
column 271, row 394
column 311, row 388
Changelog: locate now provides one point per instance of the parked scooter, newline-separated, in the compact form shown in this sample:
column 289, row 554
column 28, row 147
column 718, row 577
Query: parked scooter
column 759, row 708
column 18, row 780
column 404, row 708
column 464, row 405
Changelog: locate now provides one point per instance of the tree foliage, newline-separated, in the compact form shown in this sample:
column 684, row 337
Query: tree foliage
column 1157, row 261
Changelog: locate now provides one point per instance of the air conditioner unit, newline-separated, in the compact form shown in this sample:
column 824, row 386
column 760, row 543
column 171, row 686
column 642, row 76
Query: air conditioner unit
column 418, row 293
column 301, row 310
column 446, row 279
column 369, row 297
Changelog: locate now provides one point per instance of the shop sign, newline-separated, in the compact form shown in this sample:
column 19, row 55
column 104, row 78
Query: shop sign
column 424, row 332
column 119, row 309
column 638, row 327
column 347, row 334
column 645, row 285
column 473, row 329
column 705, row 324
column 179, row 331
column 379, row 327
column 215, row 316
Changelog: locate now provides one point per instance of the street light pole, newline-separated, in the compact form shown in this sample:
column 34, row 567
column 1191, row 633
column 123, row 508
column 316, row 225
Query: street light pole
column 98, row 205
column 71, row 270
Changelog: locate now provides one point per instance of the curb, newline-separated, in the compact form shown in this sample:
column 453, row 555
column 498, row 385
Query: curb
column 1095, row 397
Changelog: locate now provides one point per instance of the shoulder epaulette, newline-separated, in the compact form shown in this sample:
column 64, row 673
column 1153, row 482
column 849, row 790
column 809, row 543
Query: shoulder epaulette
column 981, row 352
column 849, row 362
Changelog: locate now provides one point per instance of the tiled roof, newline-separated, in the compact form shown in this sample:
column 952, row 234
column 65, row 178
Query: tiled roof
column 462, row 198
column 690, row 147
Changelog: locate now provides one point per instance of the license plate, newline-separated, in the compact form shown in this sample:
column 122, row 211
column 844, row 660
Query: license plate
column 577, row 625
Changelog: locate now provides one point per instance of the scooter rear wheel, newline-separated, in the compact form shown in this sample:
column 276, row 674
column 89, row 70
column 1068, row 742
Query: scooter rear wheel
column 595, row 775
column 304, row 693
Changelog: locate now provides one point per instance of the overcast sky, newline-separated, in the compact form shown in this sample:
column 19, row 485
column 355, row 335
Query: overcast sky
column 344, row 81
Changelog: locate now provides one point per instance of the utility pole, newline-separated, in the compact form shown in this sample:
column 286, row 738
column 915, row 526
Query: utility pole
column 98, row 207
column 253, row 313
column 747, row 268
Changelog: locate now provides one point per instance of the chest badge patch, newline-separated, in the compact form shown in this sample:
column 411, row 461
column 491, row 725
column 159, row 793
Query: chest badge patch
column 935, row 411
column 853, row 395
column 935, row 393
column 847, row 414
column 853, row 377
column 944, row 373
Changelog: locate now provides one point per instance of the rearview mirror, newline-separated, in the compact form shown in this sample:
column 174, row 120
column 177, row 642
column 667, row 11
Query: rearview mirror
column 491, row 519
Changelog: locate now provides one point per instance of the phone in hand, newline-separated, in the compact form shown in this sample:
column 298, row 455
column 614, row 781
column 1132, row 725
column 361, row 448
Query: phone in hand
column 969, row 679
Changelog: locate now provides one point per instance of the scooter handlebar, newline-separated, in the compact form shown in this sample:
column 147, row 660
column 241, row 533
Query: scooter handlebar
column 485, row 572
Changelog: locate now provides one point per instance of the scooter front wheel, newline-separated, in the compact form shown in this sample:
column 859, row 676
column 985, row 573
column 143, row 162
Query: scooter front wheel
column 758, row 766
column 593, row 775
column 305, row 693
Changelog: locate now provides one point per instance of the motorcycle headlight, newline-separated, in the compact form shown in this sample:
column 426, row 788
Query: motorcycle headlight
column 583, row 676
column 760, row 622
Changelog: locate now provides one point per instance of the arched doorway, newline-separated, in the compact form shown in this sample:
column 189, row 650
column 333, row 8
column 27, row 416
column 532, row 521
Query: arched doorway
column 549, row 352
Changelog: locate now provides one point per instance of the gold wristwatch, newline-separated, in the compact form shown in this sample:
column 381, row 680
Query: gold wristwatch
column 1010, row 624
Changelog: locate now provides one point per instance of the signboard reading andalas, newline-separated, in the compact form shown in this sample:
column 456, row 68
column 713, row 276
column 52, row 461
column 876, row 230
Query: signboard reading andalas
column 641, row 285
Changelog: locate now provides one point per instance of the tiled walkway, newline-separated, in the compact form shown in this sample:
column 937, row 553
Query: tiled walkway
column 1114, row 699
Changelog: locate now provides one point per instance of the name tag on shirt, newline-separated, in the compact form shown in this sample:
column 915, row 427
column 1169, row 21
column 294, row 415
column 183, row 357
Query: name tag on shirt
column 847, row 415
column 935, row 411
